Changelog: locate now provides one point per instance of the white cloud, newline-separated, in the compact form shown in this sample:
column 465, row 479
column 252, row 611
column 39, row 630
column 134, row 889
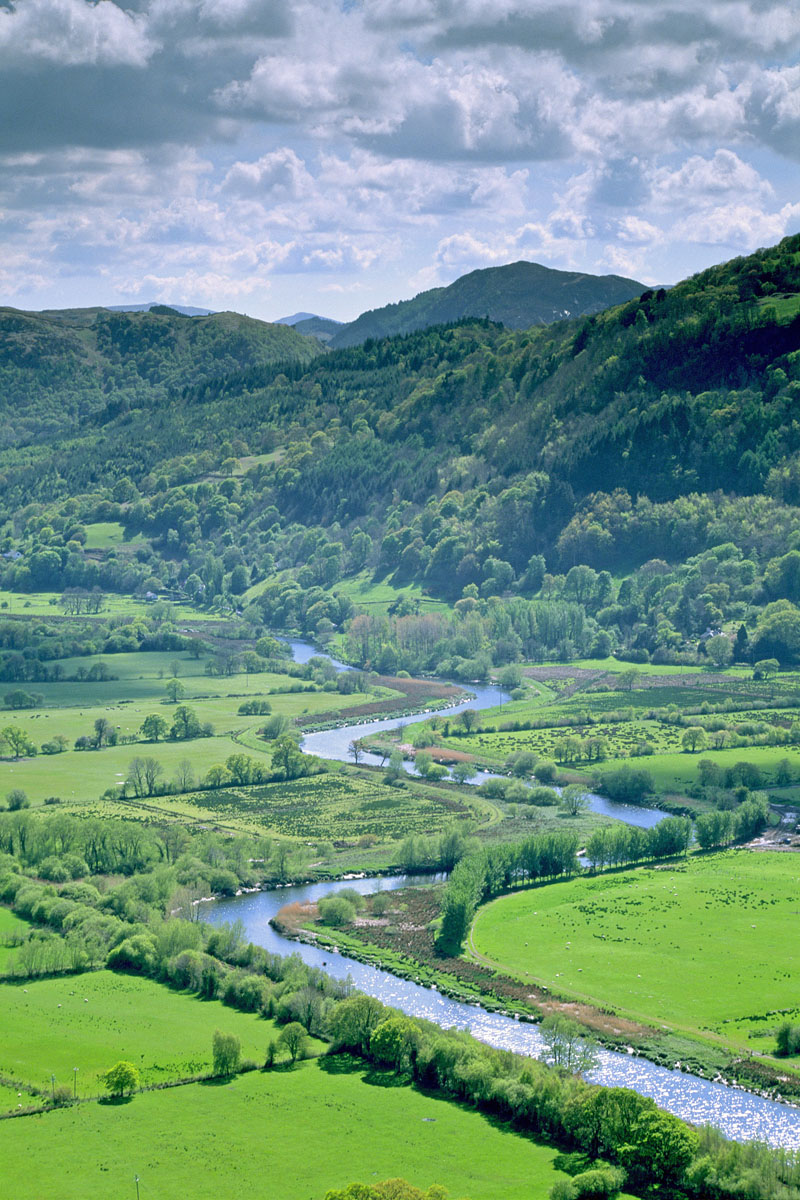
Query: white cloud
column 700, row 182
column 273, row 178
column 72, row 32
column 743, row 226
column 386, row 142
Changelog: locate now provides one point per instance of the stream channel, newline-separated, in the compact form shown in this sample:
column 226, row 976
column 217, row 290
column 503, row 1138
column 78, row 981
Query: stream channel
column 737, row 1113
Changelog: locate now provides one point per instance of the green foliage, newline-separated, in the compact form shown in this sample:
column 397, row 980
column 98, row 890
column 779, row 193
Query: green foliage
column 122, row 1079
column 226, row 1052
column 788, row 1039
column 295, row 1038
column 336, row 911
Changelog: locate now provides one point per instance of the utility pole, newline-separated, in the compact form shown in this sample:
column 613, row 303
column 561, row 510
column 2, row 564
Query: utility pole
column 136, row 1181
column 53, row 1086
column 74, row 1083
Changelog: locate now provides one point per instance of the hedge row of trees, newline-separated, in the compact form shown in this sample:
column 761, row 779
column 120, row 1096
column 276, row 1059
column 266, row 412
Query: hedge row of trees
column 486, row 873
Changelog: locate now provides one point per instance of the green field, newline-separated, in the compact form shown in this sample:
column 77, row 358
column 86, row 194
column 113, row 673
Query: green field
column 331, row 807
column 705, row 947
column 47, row 604
column 51, row 1026
column 108, row 535
column 287, row 1134
column 70, row 708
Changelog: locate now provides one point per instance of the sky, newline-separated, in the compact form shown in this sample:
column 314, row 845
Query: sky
column 270, row 156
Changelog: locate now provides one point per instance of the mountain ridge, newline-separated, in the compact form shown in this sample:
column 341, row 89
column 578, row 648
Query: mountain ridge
column 517, row 295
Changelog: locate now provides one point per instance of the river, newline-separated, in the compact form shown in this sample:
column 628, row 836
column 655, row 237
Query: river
column 334, row 743
column 739, row 1114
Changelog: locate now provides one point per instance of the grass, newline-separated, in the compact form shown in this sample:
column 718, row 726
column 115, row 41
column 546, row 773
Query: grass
column 91, row 1021
column 47, row 604
column 110, row 535
column 701, row 946
column 375, row 597
column 70, row 708
column 281, row 1133
column 342, row 805
column 616, row 667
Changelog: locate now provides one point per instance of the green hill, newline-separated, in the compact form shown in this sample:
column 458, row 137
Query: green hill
column 58, row 368
column 518, row 295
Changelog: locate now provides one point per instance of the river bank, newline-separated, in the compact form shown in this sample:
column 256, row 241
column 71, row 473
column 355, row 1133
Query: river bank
column 403, row 943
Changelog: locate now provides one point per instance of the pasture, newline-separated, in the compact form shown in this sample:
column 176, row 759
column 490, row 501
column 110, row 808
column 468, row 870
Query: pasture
column 282, row 1133
column 70, row 709
column 91, row 1021
column 700, row 946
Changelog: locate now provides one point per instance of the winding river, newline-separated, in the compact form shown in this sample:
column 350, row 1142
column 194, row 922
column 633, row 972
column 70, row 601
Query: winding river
column 739, row 1114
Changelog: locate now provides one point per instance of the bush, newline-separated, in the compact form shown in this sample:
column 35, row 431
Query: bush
column 336, row 911
column 546, row 772
column 223, row 882
column 788, row 1040
column 53, row 869
column 627, row 785
column 227, row 1052
column 381, row 903
column 589, row 1185
column 543, row 796
column 137, row 953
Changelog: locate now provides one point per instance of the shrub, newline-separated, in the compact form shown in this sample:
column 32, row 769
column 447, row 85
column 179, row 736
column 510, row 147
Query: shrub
column 227, row 1052
column 788, row 1040
column 543, row 796
column 53, row 869
column 137, row 953
column 336, row 911
column 589, row 1185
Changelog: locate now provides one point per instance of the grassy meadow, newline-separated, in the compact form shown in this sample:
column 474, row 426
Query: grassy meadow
column 705, row 946
column 90, row 1021
column 70, row 708
column 284, row 1133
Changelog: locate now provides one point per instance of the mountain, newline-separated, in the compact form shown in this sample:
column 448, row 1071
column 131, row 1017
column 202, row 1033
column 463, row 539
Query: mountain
column 518, row 296
column 184, row 309
column 60, row 367
column 298, row 316
column 324, row 329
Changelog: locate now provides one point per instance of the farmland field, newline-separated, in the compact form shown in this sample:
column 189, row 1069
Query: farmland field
column 90, row 1021
column 706, row 946
column 281, row 1133
column 336, row 805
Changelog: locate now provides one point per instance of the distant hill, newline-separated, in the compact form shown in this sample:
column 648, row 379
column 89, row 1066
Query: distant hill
column 324, row 329
column 185, row 309
column 519, row 295
column 58, row 368
column 298, row 316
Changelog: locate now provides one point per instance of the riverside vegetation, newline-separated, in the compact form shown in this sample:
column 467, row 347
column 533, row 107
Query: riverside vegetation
column 164, row 961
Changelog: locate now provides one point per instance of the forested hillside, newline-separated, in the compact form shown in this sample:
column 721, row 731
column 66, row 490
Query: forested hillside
column 60, row 368
column 628, row 481
column 518, row 295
